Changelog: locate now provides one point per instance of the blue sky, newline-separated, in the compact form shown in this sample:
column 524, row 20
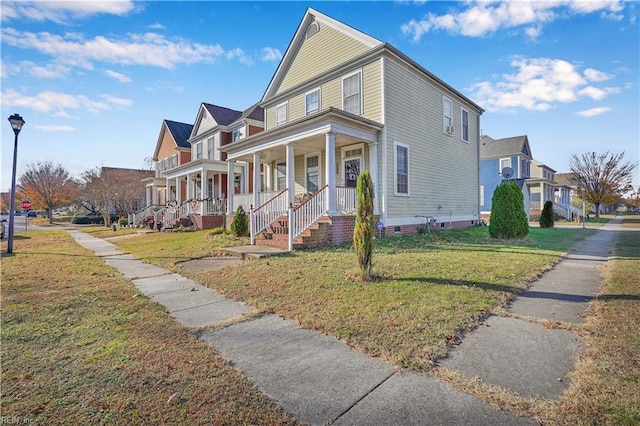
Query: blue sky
column 94, row 80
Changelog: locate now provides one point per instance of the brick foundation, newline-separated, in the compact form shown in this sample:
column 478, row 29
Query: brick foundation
column 208, row 222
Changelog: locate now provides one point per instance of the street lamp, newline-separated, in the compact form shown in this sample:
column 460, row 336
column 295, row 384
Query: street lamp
column 16, row 124
column 584, row 200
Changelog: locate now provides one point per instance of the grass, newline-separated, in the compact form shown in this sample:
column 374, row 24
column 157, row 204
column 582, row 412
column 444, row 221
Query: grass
column 81, row 346
column 431, row 288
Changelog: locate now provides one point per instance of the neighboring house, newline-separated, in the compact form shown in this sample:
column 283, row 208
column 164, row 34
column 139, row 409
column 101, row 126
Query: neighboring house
column 495, row 156
column 568, row 197
column 339, row 103
column 132, row 192
column 192, row 173
column 541, row 186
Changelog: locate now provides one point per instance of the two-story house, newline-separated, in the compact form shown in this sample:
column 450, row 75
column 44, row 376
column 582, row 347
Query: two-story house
column 498, row 156
column 341, row 102
column 542, row 186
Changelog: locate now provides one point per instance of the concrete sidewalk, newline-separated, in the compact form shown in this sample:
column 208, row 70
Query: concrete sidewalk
column 319, row 380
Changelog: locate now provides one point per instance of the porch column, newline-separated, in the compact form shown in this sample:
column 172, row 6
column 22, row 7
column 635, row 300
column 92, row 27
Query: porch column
column 204, row 191
column 373, row 169
column 230, row 188
column 330, row 171
column 268, row 176
column 256, row 180
column 178, row 191
column 219, row 188
column 291, row 178
column 189, row 187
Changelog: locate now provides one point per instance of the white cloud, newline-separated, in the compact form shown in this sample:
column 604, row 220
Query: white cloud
column 482, row 18
column 595, row 75
column 156, row 26
column 59, row 104
column 63, row 12
column 239, row 54
column 271, row 54
column 122, row 78
column 46, row 128
column 593, row 111
column 134, row 49
column 537, row 85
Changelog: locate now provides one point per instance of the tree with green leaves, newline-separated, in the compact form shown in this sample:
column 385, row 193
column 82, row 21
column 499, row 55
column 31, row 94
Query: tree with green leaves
column 363, row 231
column 240, row 223
column 508, row 217
column 604, row 177
column 546, row 218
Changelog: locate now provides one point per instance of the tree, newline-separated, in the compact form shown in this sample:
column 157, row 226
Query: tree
column 546, row 218
column 364, row 229
column 48, row 186
column 240, row 223
column 604, row 176
column 107, row 190
column 508, row 218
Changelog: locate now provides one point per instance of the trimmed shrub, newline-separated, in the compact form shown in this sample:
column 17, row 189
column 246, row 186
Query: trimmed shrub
column 546, row 218
column 240, row 224
column 123, row 221
column 364, row 228
column 508, row 218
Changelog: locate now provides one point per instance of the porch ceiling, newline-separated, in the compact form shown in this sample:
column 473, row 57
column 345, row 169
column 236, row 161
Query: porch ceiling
column 200, row 166
column 306, row 135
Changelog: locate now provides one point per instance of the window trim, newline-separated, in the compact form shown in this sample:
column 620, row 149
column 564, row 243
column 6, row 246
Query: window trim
column 446, row 124
column 284, row 104
column 211, row 155
column 307, row 111
column 500, row 167
column 397, row 144
column 234, row 133
column 482, row 195
column 198, row 147
column 463, row 110
column 275, row 169
column 306, row 169
column 344, row 77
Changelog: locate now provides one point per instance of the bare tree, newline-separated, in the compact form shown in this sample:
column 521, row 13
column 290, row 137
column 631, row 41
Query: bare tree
column 110, row 190
column 49, row 186
column 604, row 176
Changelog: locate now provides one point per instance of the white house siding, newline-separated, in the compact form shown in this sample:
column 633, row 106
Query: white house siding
column 321, row 52
column 206, row 123
column 443, row 170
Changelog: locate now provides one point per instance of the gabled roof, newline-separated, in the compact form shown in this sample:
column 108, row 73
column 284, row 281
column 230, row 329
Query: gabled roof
column 566, row 179
column 254, row 112
column 180, row 132
column 299, row 36
column 223, row 116
column 517, row 145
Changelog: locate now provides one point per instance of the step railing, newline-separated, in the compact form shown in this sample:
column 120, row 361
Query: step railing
column 138, row 217
column 306, row 214
column 260, row 218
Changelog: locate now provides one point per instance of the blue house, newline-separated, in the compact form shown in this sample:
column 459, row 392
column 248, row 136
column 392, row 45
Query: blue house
column 495, row 156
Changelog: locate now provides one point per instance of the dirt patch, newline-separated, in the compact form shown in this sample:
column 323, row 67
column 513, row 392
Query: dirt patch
column 207, row 264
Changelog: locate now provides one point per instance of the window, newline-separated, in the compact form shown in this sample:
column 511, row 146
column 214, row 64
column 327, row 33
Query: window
column 165, row 165
column 281, row 175
column 352, row 93
column 235, row 136
column 199, row 150
column 482, row 195
column 313, row 173
column 504, row 162
column 174, row 161
column 281, row 113
column 312, row 101
column 210, row 149
column 401, row 169
column 447, row 115
column 464, row 134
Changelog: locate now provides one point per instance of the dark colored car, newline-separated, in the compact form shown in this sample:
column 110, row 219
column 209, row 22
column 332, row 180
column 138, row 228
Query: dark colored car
column 3, row 229
column 32, row 213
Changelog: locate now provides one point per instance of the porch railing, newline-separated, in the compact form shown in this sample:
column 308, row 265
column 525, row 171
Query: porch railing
column 246, row 200
column 267, row 213
column 306, row 214
column 346, row 199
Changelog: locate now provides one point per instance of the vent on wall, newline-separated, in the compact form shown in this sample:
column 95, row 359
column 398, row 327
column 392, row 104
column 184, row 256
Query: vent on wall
column 312, row 29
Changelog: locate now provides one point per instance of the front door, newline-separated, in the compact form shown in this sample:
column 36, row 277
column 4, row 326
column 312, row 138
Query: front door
column 352, row 168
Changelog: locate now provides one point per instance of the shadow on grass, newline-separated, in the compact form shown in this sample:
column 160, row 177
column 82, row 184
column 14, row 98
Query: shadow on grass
column 467, row 283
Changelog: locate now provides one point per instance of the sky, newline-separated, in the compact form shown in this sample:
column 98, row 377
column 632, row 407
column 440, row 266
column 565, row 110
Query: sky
column 94, row 80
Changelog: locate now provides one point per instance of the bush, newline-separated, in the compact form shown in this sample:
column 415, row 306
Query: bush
column 508, row 218
column 240, row 224
column 364, row 229
column 218, row 231
column 546, row 219
column 123, row 221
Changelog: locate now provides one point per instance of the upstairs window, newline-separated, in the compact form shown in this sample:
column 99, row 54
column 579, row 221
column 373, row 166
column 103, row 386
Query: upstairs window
column 210, row 149
column 464, row 134
column 352, row 93
column 312, row 101
column 447, row 116
column 235, row 136
column 282, row 113
column 174, row 161
column 199, row 150
column 504, row 162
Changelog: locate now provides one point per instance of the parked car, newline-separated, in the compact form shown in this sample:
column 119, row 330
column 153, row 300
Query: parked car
column 3, row 229
column 32, row 213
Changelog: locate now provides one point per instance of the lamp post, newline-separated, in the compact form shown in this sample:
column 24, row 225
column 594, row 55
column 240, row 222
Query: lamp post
column 16, row 124
column 584, row 199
